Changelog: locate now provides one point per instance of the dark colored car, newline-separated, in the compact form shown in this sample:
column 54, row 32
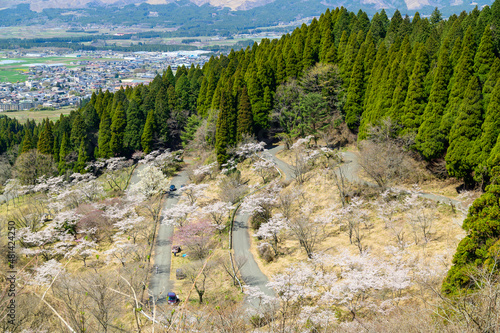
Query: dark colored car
column 172, row 188
column 172, row 298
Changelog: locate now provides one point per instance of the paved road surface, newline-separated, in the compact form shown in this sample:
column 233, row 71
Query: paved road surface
column 250, row 272
column 160, row 283
column 351, row 169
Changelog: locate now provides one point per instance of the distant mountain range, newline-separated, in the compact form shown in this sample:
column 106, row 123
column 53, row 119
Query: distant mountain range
column 39, row 5
column 402, row 5
column 183, row 18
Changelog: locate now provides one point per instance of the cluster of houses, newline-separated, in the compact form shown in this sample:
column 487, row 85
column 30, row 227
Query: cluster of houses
column 54, row 85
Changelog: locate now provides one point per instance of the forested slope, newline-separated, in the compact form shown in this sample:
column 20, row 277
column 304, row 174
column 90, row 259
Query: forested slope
column 437, row 79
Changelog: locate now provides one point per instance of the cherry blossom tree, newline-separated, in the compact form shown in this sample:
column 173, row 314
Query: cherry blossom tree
column 308, row 231
column 260, row 204
column 203, row 171
column 218, row 212
column 196, row 237
column 178, row 214
column 83, row 250
column 265, row 167
column 194, row 192
column 250, row 150
column 46, row 272
column 352, row 218
column 121, row 251
column 419, row 215
column 272, row 230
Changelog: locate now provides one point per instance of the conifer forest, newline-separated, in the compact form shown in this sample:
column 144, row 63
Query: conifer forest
column 420, row 94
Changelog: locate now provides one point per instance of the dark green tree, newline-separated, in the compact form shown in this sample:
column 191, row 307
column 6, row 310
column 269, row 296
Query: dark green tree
column 83, row 158
column 46, row 139
column 104, row 139
column 464, row 132
column 245, row 122
column 480, row 247
column 147, row 134
column 134, row 128
column 485, row 56
column 118, row 125
column 416, row 97
column 430, row 141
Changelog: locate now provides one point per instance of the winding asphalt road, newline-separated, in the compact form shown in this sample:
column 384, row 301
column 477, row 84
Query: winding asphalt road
column 351, row 169
column 160, row 283
column 250, row 272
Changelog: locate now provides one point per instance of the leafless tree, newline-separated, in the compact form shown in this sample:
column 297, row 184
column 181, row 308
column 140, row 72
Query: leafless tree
column 308, row 232
column 198, row 272
column 232, row 269
column 232, row 188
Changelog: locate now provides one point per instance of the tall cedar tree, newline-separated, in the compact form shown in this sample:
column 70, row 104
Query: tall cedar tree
column 481, row 245
column 104, row 136
column 416, row 97
column 162, row 113
column 459, row 81
column 63, row 152
column 147, row 134
column 135, row 125
column 485, row 56
column 225, row 127
column 78, row 131
column 46, row 139
column 244, row 123
column 430, row 141
column 118, row 125
column 83, row 158
column 490, row 128
column 354, row 105
column 465, row 130
column 27, row 143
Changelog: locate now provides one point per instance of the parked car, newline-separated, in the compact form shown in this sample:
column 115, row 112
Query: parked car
column 172, row 298
column 172, row 188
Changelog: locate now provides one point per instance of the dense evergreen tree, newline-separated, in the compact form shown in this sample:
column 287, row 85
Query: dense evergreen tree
column 83, row 158
column 147, row 133
column 430, row 141
column 485, row 56
column 64, row 150
column 118, row 125
column 104, row 136
column 245, row 121
column 134, row 128
column 460, row 161
column 416, row 97
column 480, row 247
column 46, row 139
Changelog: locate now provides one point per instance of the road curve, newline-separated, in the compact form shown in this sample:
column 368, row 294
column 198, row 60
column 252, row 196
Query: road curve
column 351, row 169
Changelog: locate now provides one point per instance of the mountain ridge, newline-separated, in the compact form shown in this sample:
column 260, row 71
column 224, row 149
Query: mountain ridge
column 411, row 5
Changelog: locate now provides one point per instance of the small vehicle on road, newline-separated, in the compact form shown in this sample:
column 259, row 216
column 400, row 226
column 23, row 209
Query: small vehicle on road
column 172, row 298
column 172, row 188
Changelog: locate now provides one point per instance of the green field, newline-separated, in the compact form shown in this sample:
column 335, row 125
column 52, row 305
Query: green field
column 38, row 116
column 11, row 75
column 12, row 72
